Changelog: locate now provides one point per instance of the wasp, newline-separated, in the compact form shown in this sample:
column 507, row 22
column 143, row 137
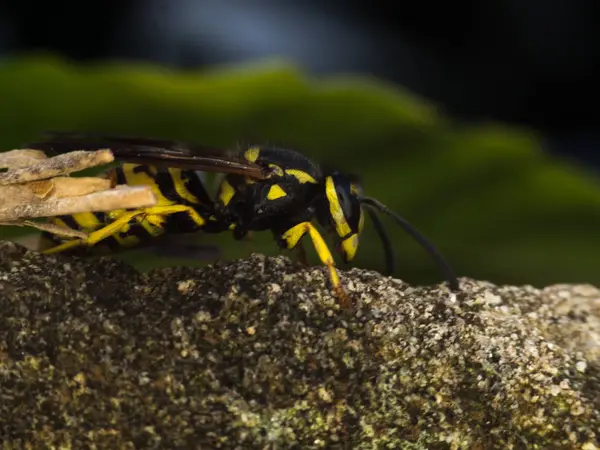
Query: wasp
column 263, row 188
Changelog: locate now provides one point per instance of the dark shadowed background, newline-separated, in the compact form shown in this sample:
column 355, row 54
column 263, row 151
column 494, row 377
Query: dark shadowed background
column 530, row 66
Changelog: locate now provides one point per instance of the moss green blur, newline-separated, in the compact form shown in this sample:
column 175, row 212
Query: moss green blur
column 488, row 197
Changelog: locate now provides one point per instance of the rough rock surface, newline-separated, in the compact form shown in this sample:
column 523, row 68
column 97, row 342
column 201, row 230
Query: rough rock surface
column 257, row 354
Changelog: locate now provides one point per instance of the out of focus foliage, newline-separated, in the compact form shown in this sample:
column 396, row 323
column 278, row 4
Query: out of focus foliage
column 486, row 195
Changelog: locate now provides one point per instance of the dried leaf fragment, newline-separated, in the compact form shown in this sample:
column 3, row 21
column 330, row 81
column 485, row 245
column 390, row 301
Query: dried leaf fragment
column 35, row 187
column 17, row 159
column 118, row 198
column 56, row 166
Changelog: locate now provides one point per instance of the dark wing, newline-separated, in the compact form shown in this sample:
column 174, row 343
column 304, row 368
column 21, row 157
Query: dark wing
column 153, row 152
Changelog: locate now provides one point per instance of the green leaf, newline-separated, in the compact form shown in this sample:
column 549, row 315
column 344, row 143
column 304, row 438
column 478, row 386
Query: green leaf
column 491, row 200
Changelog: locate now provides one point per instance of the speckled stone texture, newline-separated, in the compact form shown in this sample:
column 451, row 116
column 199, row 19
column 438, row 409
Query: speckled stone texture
column 256, row 354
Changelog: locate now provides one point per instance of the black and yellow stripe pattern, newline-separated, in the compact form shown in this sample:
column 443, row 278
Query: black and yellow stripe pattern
column 281, row 202
column 183, row 206
column 263, row 188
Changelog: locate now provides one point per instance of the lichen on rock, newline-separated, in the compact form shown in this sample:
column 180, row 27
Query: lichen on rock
column 257, row 353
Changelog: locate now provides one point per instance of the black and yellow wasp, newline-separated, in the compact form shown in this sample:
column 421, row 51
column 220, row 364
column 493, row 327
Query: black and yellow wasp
column 263, row 188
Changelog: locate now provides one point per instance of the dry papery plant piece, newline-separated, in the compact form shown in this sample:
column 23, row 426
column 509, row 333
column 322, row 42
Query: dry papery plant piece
column 35, row 186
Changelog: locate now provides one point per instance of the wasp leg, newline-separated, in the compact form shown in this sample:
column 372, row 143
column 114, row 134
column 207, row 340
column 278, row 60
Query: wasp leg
column 122, row 222
column 292, row 237
column 95, row 236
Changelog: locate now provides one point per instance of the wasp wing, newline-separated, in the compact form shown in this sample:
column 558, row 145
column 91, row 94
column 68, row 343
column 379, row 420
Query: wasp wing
column 153, row 152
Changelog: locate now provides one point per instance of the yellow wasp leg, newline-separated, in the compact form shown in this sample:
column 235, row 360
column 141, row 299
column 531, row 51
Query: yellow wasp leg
column 95, row 236
column 293, row 236
column 121, row 222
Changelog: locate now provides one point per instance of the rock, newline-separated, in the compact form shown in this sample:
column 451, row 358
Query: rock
column 257, row 353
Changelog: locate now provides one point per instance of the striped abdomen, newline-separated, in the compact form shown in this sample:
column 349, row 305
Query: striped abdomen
column 171, row 187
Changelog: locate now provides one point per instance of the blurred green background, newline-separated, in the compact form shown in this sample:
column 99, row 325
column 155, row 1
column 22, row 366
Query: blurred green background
column 490, row 199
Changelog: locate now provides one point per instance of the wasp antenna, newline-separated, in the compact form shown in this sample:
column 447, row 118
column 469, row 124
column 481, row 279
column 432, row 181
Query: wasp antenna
column 390, row 258
column 422, row 240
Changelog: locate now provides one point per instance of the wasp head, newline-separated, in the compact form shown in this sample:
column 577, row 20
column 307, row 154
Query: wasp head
column 341, row 210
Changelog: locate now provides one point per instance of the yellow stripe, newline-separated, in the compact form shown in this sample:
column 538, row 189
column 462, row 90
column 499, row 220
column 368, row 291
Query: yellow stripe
column 141, row 178
column 252, row 154
column 293, row 236
column 335, row 209
column 301, row 176
column 275, row 192
column 276, row 169
column 181, row 188
column 86, row 221
column 226, row 192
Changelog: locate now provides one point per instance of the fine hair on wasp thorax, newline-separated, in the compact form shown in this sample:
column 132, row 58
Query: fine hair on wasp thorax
column 262, row 188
